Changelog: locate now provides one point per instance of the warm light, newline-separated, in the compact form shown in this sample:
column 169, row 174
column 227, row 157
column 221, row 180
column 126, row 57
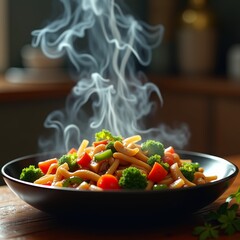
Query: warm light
column 189, row 16
column 197, row 19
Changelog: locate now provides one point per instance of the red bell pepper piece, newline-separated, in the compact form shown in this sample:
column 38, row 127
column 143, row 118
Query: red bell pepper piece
column 84, row 160
column 157, row 173
column 44, row 165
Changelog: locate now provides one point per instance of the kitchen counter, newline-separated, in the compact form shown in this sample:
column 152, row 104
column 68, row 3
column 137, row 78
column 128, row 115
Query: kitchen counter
column 18, row 220
column 213, row 86
column 34, row 89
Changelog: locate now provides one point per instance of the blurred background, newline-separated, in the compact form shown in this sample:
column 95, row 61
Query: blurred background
column 197, row 68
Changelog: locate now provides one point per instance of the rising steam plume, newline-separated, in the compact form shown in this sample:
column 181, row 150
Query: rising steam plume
column 109, row 92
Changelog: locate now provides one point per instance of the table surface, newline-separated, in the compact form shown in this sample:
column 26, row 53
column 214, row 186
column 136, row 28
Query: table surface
column 20, row 221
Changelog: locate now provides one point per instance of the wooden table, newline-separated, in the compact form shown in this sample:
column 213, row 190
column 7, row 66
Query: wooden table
column 20, row 221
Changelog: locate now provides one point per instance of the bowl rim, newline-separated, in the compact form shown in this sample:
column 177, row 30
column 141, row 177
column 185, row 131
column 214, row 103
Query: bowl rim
column 122, row 191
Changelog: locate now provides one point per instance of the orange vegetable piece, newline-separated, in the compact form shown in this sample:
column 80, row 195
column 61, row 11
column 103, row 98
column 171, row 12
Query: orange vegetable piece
column 44, row 165
column 108, row 182
column 72, row 150
column 157, row 173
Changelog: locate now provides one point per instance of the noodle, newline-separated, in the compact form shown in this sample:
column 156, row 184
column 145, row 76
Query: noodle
column 200, row 178
column 149, row 185
column 83, row 186
column 84, row 174
column 94, row 188
column 45, row 179
column 81, row 148
column 176, row 174
column 113, row 167
column 99, row 148
column 178, row 183
column 127, row 151
column 167, row 180
column 132, row 139
column 131, row 160
column 140, row 155
column 52, row 167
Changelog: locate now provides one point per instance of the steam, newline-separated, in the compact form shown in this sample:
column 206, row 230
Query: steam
column 109, row 92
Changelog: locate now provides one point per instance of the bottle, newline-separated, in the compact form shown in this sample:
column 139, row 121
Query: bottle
column 196, row 39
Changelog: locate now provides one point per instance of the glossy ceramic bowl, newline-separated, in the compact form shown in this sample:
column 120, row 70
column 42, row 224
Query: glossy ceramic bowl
column 62, row 201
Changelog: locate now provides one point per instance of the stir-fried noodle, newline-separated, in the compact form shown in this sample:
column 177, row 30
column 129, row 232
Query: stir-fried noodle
column 121, row 163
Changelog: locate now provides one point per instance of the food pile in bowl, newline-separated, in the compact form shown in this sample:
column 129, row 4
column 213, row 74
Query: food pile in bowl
column 113, row 163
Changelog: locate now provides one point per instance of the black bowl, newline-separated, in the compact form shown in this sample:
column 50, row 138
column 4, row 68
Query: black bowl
column 62, row 201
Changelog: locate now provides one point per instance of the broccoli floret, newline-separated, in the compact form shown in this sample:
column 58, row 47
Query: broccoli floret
column 31, row 174
column 188, row 170
column 165, row 165
column 105, row 134
column 132, row 178
column 152, row 147
column 157, row 158
column 71, row 160
column 154, row 158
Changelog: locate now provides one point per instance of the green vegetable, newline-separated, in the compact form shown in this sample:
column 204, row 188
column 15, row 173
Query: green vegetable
column 105, row 134
column 132, row 178
column 224, row 220
column 103, row 155
column 152, row 147
column 110, row 145
column 188, row 170
column 158, row 187
column 31, row 173
column 157, row 158
column 71, row 160
column 154, row 158
column 72, row 181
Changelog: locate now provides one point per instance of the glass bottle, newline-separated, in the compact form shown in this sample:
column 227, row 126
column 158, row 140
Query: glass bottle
column 196, row 39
